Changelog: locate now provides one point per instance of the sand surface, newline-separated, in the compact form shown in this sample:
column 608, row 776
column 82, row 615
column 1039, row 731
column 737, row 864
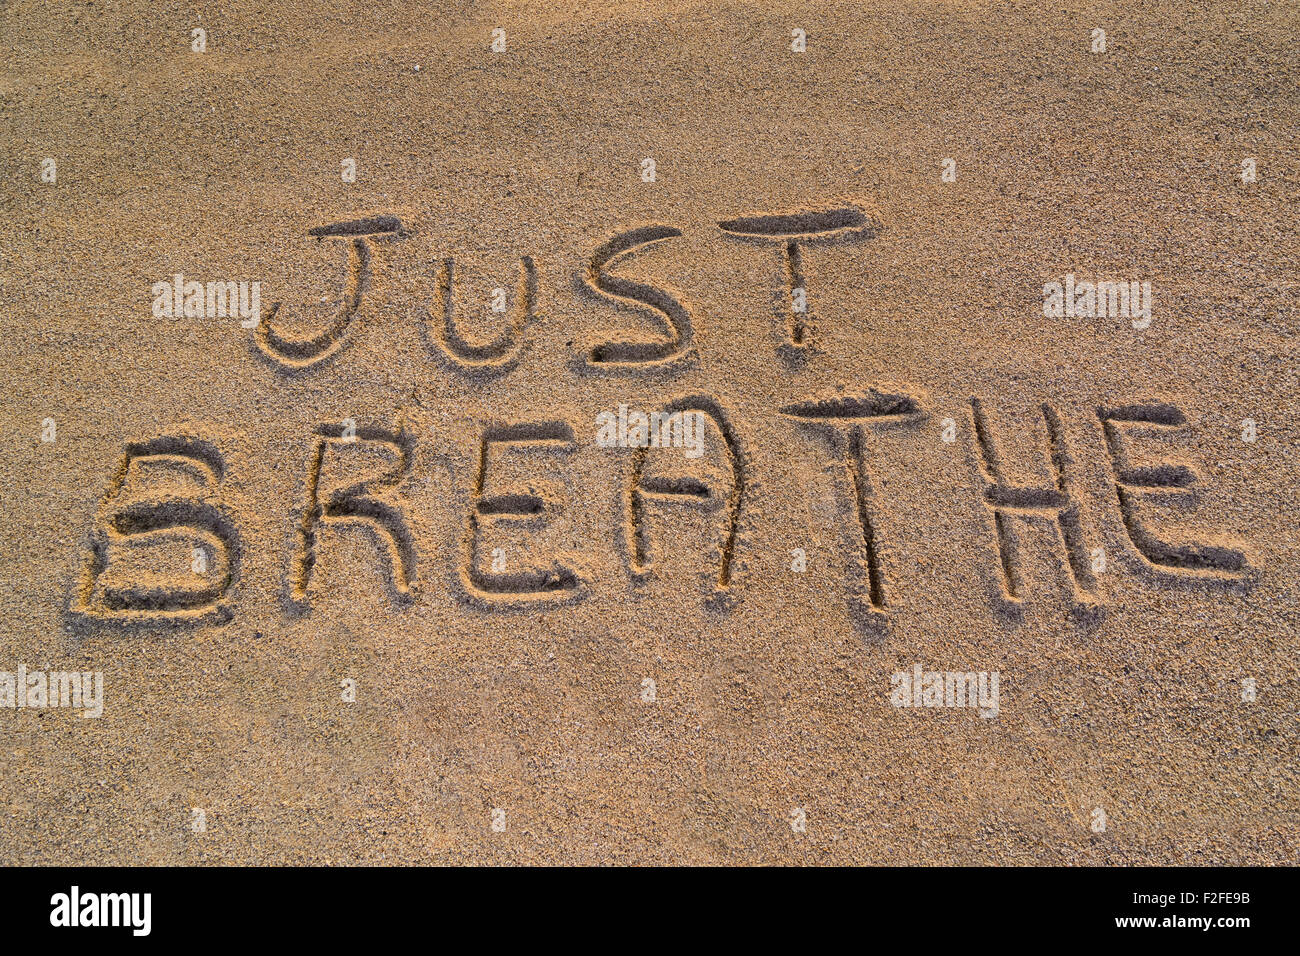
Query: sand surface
column 504, row 713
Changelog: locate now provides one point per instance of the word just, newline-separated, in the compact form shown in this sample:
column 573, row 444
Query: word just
column 787, row 233
column 166, row 492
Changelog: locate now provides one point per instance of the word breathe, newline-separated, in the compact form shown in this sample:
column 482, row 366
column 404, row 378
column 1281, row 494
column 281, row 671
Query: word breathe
column 1104, row 299
column 73, row 909
column 36, row 690
column 180, row 299
column 166, row 493
column 637, row 429
column 952, row 689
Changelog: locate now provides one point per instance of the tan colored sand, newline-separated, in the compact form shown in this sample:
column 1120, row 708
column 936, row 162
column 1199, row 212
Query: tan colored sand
column 1125, row 164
